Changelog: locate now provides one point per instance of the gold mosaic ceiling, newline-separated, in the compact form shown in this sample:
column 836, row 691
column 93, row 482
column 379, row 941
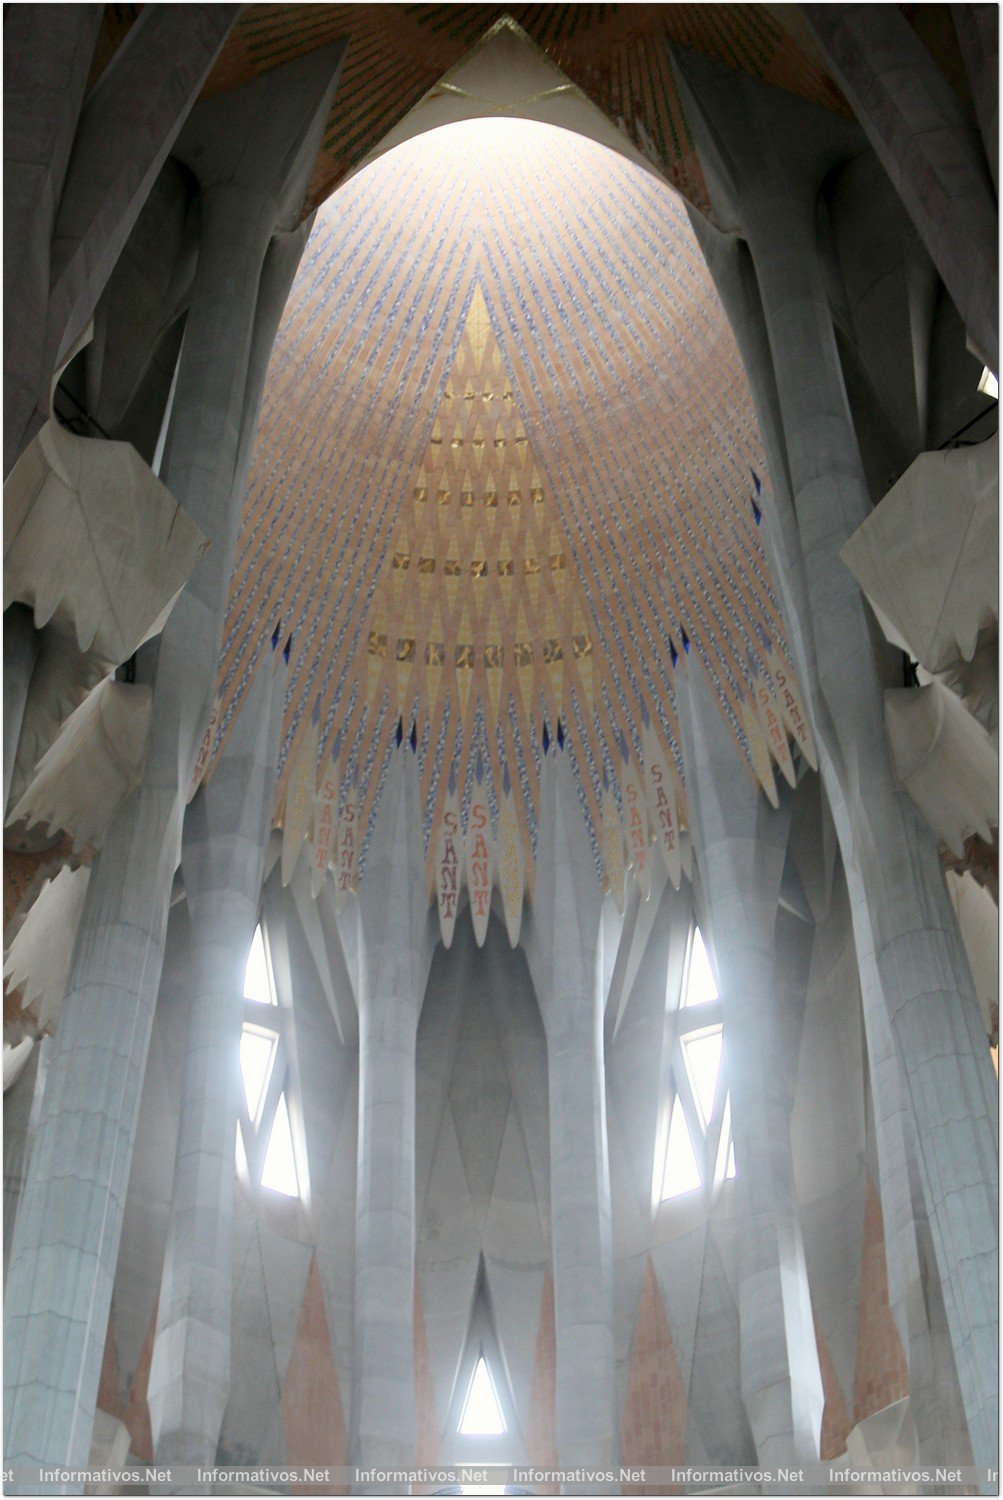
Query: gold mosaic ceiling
column 506, row 473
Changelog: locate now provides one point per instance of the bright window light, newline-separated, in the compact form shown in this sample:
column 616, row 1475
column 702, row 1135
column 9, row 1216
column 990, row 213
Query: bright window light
column 702, row 1050
column 681, row 1172
column 257, row 984
column 279, row 1171
column 726, row 1146
column 482, row 1416
column 700, row 985
column 256, row 1051
column 989, row 385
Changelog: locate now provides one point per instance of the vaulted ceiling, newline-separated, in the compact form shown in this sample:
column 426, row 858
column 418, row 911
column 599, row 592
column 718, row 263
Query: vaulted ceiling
column 506, row 472
column 617, row 54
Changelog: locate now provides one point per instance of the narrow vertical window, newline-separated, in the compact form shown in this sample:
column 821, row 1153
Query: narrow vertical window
column 266, row 1154
column 696, row 1151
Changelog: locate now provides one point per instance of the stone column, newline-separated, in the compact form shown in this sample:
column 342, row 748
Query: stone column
column 766, row 161
column 563, row 944
column 978, row 28
column 915, row 123
column 740, row 843
column 398, row 936
column 121, row 139
column 20, row 648
column 735, row 279
column 222, row 858
column 47, row 57
column 255, row 147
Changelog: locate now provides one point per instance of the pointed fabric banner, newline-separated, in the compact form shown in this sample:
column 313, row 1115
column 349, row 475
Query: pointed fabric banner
column 771, row 719
column 636, row 818
column 477, row 846
column 300, row 797
column 347, row 860
column 448, row 866
column 661, row 793
column 511, row 867
column 613, row 861
column 325, row 822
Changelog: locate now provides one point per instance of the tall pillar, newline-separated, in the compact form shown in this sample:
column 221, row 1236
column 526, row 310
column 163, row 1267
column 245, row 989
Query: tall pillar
column 740, row 844
column 120, row 141
column 765, row 162
column 20, row 648
column 222, row 858
column 562, row 940
column 735, row 279
column 255, row 148
column 932, row 154
column 398, row 939
column 978, row 28
column 47, row 58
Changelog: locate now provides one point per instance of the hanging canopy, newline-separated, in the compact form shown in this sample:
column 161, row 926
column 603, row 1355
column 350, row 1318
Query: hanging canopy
column 927, row 556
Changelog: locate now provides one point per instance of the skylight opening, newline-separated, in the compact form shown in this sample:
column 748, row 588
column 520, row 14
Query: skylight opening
column 257, row 975
column 701, row 985
column 279, row 1172
column 482, row 1414
column 681, row 1175
column 257, row 1052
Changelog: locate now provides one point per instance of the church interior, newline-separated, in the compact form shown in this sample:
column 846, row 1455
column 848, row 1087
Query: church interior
column 501, row 736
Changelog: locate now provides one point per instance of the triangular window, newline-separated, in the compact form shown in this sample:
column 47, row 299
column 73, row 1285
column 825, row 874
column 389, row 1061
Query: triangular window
column 257, row 1049
column 482, row 1415
column 279, row 1171
column 700, row 985
column 702, row 1050
column 682, row 1175
column 257, row 976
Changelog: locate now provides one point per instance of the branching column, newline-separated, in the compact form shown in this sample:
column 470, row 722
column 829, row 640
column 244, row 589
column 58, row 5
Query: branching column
column 915, row 123
column 740, row 844
column 263, row 141
column 222, row 858
column 398, row 941
column 564, row 949
column 768, row 164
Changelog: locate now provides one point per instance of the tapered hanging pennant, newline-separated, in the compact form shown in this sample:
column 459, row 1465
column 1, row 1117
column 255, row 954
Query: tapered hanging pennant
column 661, row 795
column 477, row 847
column 448, row 868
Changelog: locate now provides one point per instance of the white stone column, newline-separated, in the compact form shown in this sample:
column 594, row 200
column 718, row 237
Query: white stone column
column 766, row 162
column 222, row 858
column 399, row 931
column 255, row 147
column 740, row 843
column 735, row 278
column 563, row 944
